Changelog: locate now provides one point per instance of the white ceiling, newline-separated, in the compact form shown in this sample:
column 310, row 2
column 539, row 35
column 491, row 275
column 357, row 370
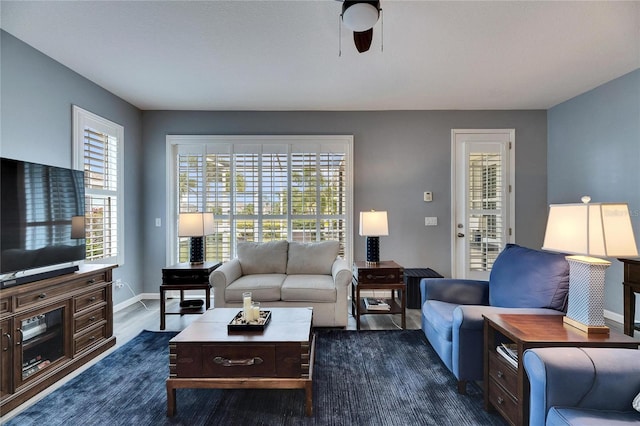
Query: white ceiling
column 283, row 55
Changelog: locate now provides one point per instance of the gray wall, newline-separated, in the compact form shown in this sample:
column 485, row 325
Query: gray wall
column 37, row 95
column 397, row 156
column 594, row 149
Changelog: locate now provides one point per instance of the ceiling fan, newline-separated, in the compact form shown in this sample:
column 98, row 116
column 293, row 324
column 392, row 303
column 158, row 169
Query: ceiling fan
column 360, row 16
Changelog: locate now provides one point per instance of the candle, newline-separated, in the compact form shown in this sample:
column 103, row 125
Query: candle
column 246, row 306
column 255, row 311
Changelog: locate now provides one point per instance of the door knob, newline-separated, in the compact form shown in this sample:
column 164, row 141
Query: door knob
column 460, row 235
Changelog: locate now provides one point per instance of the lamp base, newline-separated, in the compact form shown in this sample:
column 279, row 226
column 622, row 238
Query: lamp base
column 586, row 294
column 589, row 329
column 196, row 253
column 373, row 250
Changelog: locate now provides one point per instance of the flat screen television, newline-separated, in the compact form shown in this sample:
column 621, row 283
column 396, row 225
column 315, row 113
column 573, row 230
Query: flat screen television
column 38, row 205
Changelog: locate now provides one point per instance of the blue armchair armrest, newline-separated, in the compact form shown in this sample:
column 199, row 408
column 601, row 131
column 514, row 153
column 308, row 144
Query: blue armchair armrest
column 584, row 378
column 461, row 292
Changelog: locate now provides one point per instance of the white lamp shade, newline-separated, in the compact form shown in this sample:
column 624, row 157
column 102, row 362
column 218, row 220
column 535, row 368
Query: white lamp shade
column 360, row 16
column 374, row 224
column 195, row 224
column 595, row 229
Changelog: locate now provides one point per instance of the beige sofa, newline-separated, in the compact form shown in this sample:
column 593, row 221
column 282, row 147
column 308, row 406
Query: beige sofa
column 282, row 273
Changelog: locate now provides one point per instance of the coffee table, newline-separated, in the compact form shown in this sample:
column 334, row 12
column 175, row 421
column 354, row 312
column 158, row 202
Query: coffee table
column 206, row 355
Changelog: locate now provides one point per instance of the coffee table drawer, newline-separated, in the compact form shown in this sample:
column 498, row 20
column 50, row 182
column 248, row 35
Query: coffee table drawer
column 239, row 361
column 225, row 361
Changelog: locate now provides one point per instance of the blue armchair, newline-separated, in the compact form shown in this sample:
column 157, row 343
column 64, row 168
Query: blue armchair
column 522, row 280
column 582, row 386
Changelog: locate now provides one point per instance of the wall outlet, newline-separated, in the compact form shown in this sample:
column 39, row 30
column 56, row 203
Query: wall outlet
column 430, row 221
column 119, row 283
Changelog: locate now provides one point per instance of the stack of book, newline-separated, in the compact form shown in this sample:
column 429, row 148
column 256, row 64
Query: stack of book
column 509, row 351
column 373, row 304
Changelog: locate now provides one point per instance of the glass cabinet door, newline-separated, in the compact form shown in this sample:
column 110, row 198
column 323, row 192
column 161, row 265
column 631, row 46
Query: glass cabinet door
column 41, row 340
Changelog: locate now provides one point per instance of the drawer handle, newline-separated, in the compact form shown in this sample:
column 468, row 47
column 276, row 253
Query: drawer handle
column 92, row 318
column 9, row 342
column 92, row 299
column 42, row 295
column 91, row 281
column 500, row 400
column 226, row 362
column 500, row 374
column 92, row 338
column 380, row 277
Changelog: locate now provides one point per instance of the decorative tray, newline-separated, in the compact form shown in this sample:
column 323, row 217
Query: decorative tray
column 239, row 324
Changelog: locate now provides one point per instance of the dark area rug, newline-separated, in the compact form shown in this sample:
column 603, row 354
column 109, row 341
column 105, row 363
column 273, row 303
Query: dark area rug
column 360, row 378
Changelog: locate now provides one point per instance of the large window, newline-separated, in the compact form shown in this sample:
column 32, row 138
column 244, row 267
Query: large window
column 262, row 188
column 98, row 151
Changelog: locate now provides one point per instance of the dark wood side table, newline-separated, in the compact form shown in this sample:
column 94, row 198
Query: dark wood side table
column 385, row 275
column 185, row 276
column 506, row 388
column 631, row 286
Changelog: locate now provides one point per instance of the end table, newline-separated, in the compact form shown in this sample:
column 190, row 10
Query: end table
column 506, row 386
column 185, row 276
column 385, row 275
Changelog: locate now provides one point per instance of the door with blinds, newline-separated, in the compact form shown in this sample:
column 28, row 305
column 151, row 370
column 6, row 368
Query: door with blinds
column 483, row 187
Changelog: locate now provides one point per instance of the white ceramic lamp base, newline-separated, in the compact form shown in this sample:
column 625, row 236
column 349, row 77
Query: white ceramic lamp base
column 586, row 294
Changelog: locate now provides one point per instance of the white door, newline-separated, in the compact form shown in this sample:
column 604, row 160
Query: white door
column 483, row 187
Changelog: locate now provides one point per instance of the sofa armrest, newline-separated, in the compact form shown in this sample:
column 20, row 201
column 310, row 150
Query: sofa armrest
column 461, row 292
column 341, row 273
column 220, row 279
column 592, row 378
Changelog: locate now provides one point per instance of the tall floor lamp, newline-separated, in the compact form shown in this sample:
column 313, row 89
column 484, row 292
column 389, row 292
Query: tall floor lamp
column 585, row 230
column 196, row 226
column 373, row 225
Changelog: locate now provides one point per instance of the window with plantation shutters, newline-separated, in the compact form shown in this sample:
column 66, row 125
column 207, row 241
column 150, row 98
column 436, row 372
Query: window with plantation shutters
column 485, row 200
column 263, row 188
column 98, row 152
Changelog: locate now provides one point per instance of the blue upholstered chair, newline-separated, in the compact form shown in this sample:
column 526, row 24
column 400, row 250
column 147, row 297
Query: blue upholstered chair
column 522, row 280
column 583, row 386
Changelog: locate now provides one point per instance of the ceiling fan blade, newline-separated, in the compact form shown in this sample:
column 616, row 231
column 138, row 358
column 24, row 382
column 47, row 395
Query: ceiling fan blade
column 363, row 39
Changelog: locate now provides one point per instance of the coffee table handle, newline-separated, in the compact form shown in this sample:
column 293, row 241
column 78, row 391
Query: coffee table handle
column 226, row 362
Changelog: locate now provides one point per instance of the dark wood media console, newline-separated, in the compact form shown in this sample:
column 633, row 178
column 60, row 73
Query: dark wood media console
column 51, row 327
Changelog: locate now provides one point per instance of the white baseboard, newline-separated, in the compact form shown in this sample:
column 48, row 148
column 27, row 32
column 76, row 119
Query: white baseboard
column 147, row 296
column 143, row 296
column 614, row 316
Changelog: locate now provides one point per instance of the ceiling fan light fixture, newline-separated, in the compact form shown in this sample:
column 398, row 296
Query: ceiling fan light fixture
column 360, row 17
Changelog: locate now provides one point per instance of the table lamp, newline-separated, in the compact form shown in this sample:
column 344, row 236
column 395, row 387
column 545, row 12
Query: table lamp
column 196, row 226
column 77, row 227
column 585, row 230
column 373, row 225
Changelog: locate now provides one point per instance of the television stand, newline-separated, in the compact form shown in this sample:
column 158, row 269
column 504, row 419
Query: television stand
column 50, row 327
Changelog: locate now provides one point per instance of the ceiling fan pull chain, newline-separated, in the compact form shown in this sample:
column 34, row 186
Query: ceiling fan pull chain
column 381, row 30
column 340, row 35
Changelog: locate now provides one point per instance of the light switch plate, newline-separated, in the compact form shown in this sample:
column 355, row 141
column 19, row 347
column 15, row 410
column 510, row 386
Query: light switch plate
column 430, row 221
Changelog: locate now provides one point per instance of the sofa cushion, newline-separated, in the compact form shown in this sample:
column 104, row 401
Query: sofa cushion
column 563, row 416
column 312, row 258
column 525, row 278
column 263, row 258
column 263, row 288
column 309, row 288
